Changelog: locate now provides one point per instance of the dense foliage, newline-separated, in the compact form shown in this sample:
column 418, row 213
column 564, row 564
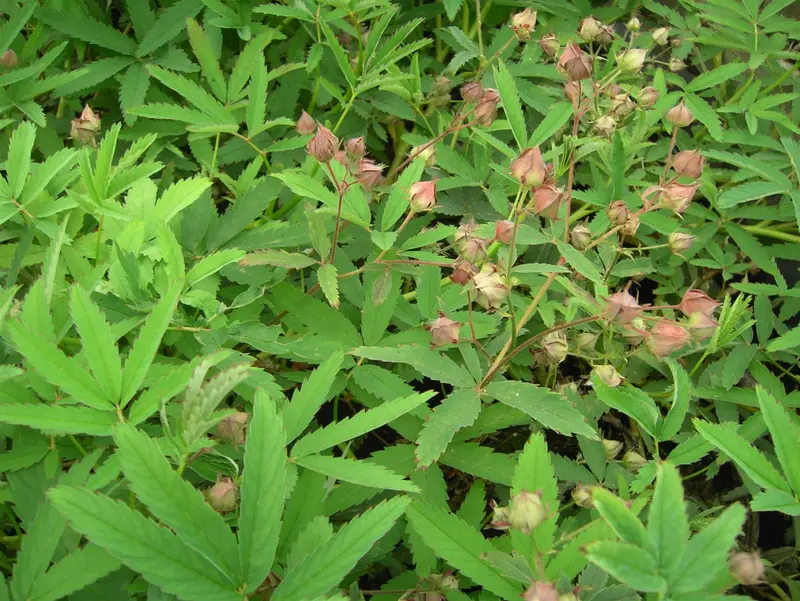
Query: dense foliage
column 359, row 299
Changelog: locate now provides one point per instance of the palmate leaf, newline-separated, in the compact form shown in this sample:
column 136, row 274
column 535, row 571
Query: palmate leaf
column 175, row 502
column 211, row 264
column 93, row 74
column 15, row 24
column 668, row 525
column 461, row 546
column 361, row 423
column 209, row 62
column 74, row 572
column 18, row 163
column 785, row 437
column 363, row 473
column 534, row 473
column 627, row 564
column 511, row 104
column 38, row 546
column 429, row 362
column 98, row 343
column 458, row 410
column 193, row 93
column 57, row 419
column 143, row 545
column 622, row 520
column 147, row 342
column 262, row 491
column 133, row 90
column 81, row 26
column 743, row 453
column 324, row 568
column 550, row 409
column 310, row 397
column 179, row 196
column 170, row 23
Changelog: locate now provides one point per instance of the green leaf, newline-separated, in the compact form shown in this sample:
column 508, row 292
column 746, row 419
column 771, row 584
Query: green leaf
column 557, row 115
column 428, row 362
column 209, row 62
column 43, row 534
column 98, row 343
column 57, row 419
column 511, row 104
column 788, row 341
column 278, row 258
column 579, row 262
column 627, row 564
column 74, row 572
column 707, row 551
column 211, row 264
column 712, row 78
column 705, row 115
column 747, row 192
column 776, row 500
column 461, row 546
column 147, row 342
column 175, row 502
column 397, row 203
column 361, row 423
column 307, row 400
column 15, row 24
column 785, row 436
column 452, row 7
column 18, row 163
column 74, row 24
column 257, row 97
column 681, row 394
column 622, row 520
column 356, row 472
column 328, row 280
column 169, row 25
column 324, row 568
column 179, row 196
column 765, row 170
column 631, row 401
column 534, row 473
column 458, row 410
column 668, row 525
column 743, row 453
column 55, row 367
column 339, row 54
column 143, row 545
column 262, row 491
column 548, row 408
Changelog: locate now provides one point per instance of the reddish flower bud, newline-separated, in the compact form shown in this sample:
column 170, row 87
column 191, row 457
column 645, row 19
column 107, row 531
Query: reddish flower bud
column 9, row 59
column 631, row 226
column 680, row 242
column 575, row 63
column 443, row 331
column 701, row 326
column 486, row 111
column 689, row 163
column 621, row 106
column 648, row 97
column 632, row 60
column 529, row 168
column 523, row 24
column 369, row 173
column 634, row 332
column 232, row 428
column 606, row 35
column 305, row 124
column 547, row 200
column 549, row 44
column 680, row 115
column 697, row 301
column 473, row 249
column 490, row 287
column 541, row 591
column 572, row 90
column 580, row 236
column 356, row 148
column 323, row 145
column 747, row 568
column 472, row 92
column 617, row 213
column 622, row 308
column 463, row 272
column 678, row 197
column 589, row 29
column 84, row 128
column 666, row 337
column 223, row 495
column 422, row 196
column 503, row 231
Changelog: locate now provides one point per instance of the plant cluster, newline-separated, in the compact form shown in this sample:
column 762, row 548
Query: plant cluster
column 407, row 301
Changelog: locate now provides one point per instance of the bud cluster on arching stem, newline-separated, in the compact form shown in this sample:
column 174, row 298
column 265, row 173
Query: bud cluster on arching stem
column 443, row 331
column 525, row 512
column 575, row 63
column 486, row 110
column 86, row 127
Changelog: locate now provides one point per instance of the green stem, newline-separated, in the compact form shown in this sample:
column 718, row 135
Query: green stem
column 771, row 233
